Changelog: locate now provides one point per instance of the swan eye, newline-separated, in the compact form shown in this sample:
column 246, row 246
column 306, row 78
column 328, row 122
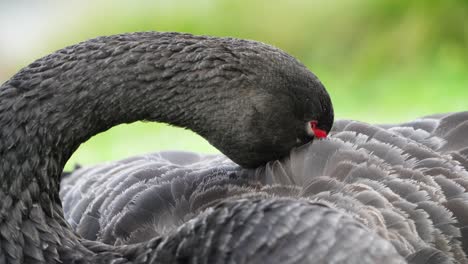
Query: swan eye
column 313, row 130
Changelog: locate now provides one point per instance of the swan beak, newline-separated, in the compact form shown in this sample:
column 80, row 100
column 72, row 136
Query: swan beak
column 319, row 133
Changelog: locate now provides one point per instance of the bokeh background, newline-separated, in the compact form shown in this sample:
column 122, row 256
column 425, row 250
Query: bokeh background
column 381, row 61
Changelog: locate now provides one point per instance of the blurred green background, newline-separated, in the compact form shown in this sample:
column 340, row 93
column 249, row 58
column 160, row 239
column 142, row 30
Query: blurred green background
column 381, row 61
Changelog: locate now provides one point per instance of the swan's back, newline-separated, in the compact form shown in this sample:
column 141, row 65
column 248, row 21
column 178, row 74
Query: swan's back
column 141, row 197
column 406, row 183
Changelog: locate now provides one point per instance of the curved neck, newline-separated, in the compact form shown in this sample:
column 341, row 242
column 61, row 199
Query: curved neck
column 49, row 108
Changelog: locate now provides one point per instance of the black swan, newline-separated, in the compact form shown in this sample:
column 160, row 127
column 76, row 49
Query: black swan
column 367, row 194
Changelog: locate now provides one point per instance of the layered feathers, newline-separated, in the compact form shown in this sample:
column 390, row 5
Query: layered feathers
column 406, row 184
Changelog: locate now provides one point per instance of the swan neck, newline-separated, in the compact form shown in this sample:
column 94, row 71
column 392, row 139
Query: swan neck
column 50, row 107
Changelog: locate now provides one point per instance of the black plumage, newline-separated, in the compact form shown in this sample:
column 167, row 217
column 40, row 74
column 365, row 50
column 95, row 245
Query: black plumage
column 400, row 181
column 367, row 194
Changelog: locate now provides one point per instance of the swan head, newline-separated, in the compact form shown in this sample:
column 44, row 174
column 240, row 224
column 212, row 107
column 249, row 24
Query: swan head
column 282, row 106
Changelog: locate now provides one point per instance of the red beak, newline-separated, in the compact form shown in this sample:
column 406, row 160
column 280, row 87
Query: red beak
column 319, row 133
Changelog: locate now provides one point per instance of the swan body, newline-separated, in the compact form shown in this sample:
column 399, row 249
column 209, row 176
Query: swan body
column 406, row 183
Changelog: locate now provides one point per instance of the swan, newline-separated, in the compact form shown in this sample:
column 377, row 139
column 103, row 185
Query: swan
column 366, row 194
column 250, row 100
